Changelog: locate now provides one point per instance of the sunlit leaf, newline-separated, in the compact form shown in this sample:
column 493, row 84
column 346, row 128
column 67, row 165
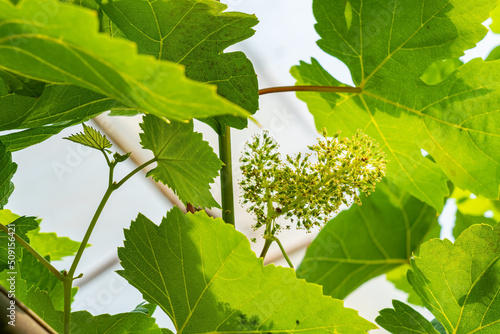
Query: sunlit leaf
column 460, row 283
column 397, row 276
column 58, row 107
column 42, row 292
column 11, row 250
column 67, row 49
column 456, row 121
column 49, row 244
column 194, row 33
column 473, row 205
column 495, row 15
column 464, row 221
column 202, row 273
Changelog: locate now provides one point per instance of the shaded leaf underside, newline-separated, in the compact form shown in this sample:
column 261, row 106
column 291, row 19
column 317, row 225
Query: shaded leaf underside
column 68, row 50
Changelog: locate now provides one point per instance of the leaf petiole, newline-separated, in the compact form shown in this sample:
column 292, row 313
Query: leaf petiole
column 284, row 252
column 132, row 173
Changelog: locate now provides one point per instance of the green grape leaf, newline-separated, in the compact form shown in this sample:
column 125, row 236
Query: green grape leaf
column 495, row 15
column 494, row 54
column 460, row 283
column 475, row 205
column 464, row 221
column 10, row 250
column 7, row 170
column 58, row 107
column 203, row 274
column 366, row 241
column 7, row 217
column 397, row 277
column 404, row 320
column 186, row 163
column 92, row 138
column 82, row 322
column 41, row 291
column 387, row 47
column 67, row 49
column 29, row 272
column 194, row 33
column 49, row 244
column 438, row 71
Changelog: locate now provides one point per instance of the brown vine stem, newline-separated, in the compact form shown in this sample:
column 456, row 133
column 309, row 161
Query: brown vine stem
column 318, row 89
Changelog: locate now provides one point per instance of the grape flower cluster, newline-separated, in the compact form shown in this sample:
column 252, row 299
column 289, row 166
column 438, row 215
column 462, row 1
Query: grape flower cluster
column 308, row 188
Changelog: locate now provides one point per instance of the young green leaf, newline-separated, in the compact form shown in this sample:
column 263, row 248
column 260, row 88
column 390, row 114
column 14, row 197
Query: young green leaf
column 398, row 275
column 19, row 140
column 194, row 33
column 464, row 221
column 404, row 320
column 203, row 274
column 495, row 15
column 367, row 240
column 459, row 283
column 186, row 163
column 7, row 170
column 469, row 204
column 49, row 244
column 92, row 138
column 66, row 48
column 387, row 48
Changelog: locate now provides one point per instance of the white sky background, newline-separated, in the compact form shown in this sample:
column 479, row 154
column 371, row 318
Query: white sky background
column 67, row 200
